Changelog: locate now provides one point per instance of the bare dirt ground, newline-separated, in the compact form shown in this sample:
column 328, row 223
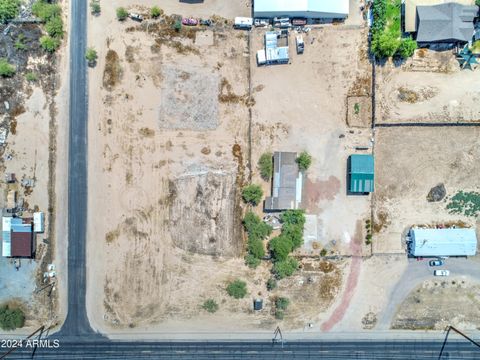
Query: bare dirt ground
column 438, row 303
column 409, row 162
column 430, row 87
column 302, row 106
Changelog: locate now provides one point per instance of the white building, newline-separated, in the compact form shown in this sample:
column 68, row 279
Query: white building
column 443, row 242
column 310, row 9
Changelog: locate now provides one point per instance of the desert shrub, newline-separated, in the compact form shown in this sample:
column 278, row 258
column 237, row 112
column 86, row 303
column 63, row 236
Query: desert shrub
column 11, row 319
column 31, row 76
column 19, row 44
column 265, row 164
column 323, row 252
column 49, row 44
column 252, row 261
column 155, row 12
column 122, row 13
column 9, row 9
column 279, row 314
column 255, row 248
column 285, row 268
column 177, row 26
column 271, row 284
column 95, row 7
column 210, row 305
column 304, row 160
column 6, row 69
column 407, row 47
column 252, row 194
column 237, row 289
column 255, row 227
column 54, row 27
column 91, row 55
column 280, row 246
column 46, row 11
column 282, row 303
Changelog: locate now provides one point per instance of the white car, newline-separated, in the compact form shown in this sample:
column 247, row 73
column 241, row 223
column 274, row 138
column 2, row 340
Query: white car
column 441, row 273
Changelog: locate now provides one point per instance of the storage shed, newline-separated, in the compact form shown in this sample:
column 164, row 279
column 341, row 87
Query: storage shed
column 361, row 173
column 310, row 9
column 442, row 242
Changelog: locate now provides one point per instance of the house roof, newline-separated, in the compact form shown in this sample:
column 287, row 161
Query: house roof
column 287, row 183
column 362, row 168
column 411, row 10
column 445, row 22
column 443, row 242
column 292, row 6
column 21, row 244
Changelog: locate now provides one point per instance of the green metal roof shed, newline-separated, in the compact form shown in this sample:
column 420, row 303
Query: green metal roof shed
column 361, row 173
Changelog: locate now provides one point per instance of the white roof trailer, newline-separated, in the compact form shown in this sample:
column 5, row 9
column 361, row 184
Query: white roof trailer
column 243, row 23
column 38, row 222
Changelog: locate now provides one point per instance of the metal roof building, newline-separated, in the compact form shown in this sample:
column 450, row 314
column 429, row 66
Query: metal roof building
column 310, row 9
column 361, row 173
column 448, row 23
column 443, row 242
column 17, row 238
column 287, row 183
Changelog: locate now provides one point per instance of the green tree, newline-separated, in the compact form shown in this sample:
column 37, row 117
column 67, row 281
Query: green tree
column 407, row 47
column 252, row 194
column 255, row 248
column 282, row 303
column 91, row 55
column 294, row 233
column 210, row 305
column 9, row 9
column 237, row 289
column 385, row 44
column 54, row 27
column 265, row 164
column 280, row 247
column 6, row 69
column 46, row 11
column 11, row 319
column 95, row 7
column 155, row 12
column 304, row 160
column 271, row 284
column 122, row 13
column 255, row 227
column 293, row 217
column 285, row 268
column 49, row 44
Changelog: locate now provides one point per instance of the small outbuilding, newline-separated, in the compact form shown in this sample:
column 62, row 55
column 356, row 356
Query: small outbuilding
column 361, row 173
column 442, row 242
column 287, row 185
column 17, row 238
column 257, row 304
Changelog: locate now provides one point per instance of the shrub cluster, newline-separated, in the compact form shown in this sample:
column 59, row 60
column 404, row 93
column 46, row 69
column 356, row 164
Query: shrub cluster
column 265, row 164
column 9, row 9
column 6, row 69
column 304, row 160
column 237, row 289
column 51, row 15
column 252, row 194
column 257, row 231
column 210, row 305
column 11, row 319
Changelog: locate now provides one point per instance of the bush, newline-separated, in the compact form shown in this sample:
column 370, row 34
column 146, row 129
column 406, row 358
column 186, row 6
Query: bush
column 280, row 247
column 385, row 44
column 31, row 76
column 304, row 160
column 279, row 314
column 323, row 252
column 294, row 233
column 91, row 55
column 252, row 194
column 19, row 44
column 255, row 227
column 237, row 289
column 265, row 164
column 293, row 217
column 285, row 268
column 6, row 69
column 122, row 13
column 9, row 9
column 46, row 11
column 210, row 305
column 407, row 47
column 251, row 261
column 177, row 26
column 271, row 284
column 11, row 319
column 155, row 12
column 95, row 7
column 54, row 27
column 255, row 248
column 49, row 44
column 282, row 303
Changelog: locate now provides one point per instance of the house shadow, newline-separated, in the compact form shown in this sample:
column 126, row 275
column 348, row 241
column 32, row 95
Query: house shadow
column 191, row 1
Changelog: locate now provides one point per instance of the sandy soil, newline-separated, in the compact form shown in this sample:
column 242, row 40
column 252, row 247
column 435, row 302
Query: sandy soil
column 443, row 94
column 408, row 166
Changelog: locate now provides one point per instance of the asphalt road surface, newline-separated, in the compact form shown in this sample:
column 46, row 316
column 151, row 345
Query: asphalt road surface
column 76, row 338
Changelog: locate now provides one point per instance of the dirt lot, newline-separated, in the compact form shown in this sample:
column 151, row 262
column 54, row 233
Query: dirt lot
column 438, row 303
column 309, row 113
column 409, row 162
column 28, row 119
column 430, row 87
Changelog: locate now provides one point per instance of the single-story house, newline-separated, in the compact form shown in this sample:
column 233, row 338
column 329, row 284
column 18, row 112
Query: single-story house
column 287, row 185
column 309, row 9
column 361, row 169
column 17, row 237
column 443, row 242
column 436, row 21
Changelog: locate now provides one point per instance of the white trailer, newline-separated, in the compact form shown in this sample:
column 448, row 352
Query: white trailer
column 243, row 23
column 261, row 57
column 38, row 222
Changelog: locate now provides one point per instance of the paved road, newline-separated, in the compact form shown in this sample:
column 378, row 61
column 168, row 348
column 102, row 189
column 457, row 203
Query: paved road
column 416, row 273
column 76, row 321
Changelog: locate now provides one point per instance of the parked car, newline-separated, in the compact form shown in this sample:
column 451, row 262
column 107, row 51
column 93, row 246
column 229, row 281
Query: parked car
column 189, row 21
column 441, row 273
column 205, row 22
column 136, row 17
column 261, row 22
column 435, row 263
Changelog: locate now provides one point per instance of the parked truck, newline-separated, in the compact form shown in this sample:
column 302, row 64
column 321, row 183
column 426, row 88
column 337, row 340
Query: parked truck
column 300, row 44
